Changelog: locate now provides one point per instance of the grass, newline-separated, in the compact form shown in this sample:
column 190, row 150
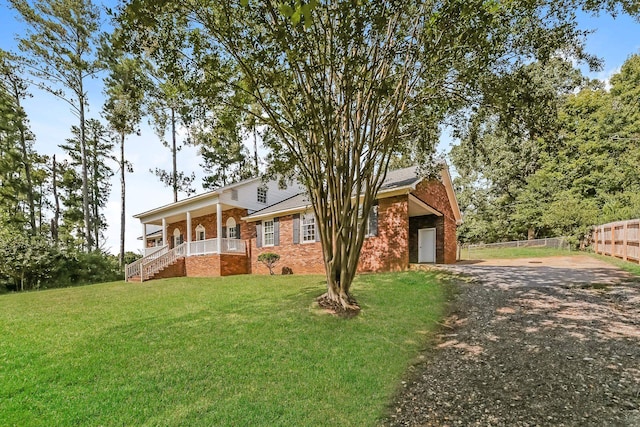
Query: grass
column 504, row 253
column 628, row 266
column 241, row 350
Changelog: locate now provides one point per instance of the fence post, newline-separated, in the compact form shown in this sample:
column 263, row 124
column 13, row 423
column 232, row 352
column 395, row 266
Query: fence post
column 624, row 240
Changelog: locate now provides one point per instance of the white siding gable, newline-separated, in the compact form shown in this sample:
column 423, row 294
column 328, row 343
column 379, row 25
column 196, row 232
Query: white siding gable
column 248, row 194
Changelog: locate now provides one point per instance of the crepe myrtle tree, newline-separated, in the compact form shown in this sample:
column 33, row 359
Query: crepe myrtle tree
column 343, row 86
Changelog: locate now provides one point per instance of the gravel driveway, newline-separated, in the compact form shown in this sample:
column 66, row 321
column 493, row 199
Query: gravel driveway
column 545, row 341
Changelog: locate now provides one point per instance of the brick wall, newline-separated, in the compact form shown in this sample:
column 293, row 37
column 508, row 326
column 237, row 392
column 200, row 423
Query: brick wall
column 301, row 258
column 203, row 266
column 231, row 264
column 177, row 269
column 434, row 194
column 385, row 252
column 388, row 250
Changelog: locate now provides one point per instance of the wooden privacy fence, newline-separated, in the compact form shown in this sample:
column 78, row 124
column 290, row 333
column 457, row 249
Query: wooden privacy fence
column 618, row 239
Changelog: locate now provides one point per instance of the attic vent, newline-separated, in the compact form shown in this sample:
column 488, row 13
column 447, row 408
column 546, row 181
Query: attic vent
column 262, row 194
column 234, row 194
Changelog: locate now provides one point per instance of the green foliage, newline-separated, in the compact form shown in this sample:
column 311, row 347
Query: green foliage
column 141, row 354
column 269, row 259
column 341, row 88
column 98, row 151
column 26, row 262
column 59, row 47
column 579, row 170
column 20, row 173
column 130, row 257
column 32, row 262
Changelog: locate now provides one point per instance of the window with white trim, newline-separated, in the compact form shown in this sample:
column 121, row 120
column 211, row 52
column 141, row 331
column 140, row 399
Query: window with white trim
column 200, row 232
column 308, row 227
column 262, row 194
column 231, row 228
column 268, row 233
column 368, row 232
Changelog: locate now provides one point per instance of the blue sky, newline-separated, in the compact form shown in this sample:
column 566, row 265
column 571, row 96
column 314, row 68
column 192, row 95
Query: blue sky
column 613, row 40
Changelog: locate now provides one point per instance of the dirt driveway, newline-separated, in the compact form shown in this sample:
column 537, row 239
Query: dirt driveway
column 544, row 341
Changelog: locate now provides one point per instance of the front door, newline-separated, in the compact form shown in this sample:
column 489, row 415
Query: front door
column 427, row 245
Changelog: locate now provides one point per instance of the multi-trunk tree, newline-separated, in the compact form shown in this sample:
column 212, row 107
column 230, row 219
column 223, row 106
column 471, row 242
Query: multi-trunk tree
column 336, row 83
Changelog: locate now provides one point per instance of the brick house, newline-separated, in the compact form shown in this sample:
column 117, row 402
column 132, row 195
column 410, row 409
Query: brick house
column 414, row 220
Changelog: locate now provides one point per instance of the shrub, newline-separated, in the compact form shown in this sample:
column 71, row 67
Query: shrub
column 269, row 259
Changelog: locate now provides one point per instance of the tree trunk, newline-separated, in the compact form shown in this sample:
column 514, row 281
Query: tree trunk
column 122, row 200
column 26, row 162
column 56, row 212
column 531, row 233
column 174, row 153
column 85, row 183
column 255, row 148
column 94, row 190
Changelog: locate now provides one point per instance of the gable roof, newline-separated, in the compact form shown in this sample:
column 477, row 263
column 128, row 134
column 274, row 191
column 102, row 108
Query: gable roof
column 197, row 197
column 398, row 181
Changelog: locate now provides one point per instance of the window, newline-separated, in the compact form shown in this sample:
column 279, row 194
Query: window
column 177, row 238
column 268, row 232
column 262, row 194
column 308, row 224
column 371, row 226
column 200, row 233
column 231, row 228
column 234, row 194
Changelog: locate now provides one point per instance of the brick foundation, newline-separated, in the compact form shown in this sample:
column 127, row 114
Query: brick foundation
column 177, row 269
column 216, row 265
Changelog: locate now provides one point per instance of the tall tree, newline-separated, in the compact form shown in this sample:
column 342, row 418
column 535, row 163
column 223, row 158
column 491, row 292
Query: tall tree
column 60, row 46
column 16, row 87
column 335, row 81
column 125, row 87
column 225, row 158
column 99, row 151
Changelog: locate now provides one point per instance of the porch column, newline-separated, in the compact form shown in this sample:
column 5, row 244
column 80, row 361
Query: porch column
column 144, row 239
column 219, row 226
column 164, row 232
column 188, row 233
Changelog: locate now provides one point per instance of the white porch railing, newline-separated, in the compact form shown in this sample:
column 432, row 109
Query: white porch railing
column 133, row 269
column 151, row 264
column 148, row 252
column 210, row 246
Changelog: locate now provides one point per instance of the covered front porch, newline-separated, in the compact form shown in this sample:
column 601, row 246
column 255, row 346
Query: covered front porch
column 201, row 227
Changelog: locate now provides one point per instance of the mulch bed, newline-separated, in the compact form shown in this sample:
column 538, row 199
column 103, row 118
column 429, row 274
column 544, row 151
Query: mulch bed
column 523, row 356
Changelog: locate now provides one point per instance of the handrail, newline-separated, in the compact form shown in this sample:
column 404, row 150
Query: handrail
column 133, row 269
column 151, row 264
column 210, row 246
column 154, row 252
column 150, row 267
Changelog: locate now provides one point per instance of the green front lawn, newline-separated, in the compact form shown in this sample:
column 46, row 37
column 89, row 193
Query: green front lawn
column 506, row 253
column 241, row 350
